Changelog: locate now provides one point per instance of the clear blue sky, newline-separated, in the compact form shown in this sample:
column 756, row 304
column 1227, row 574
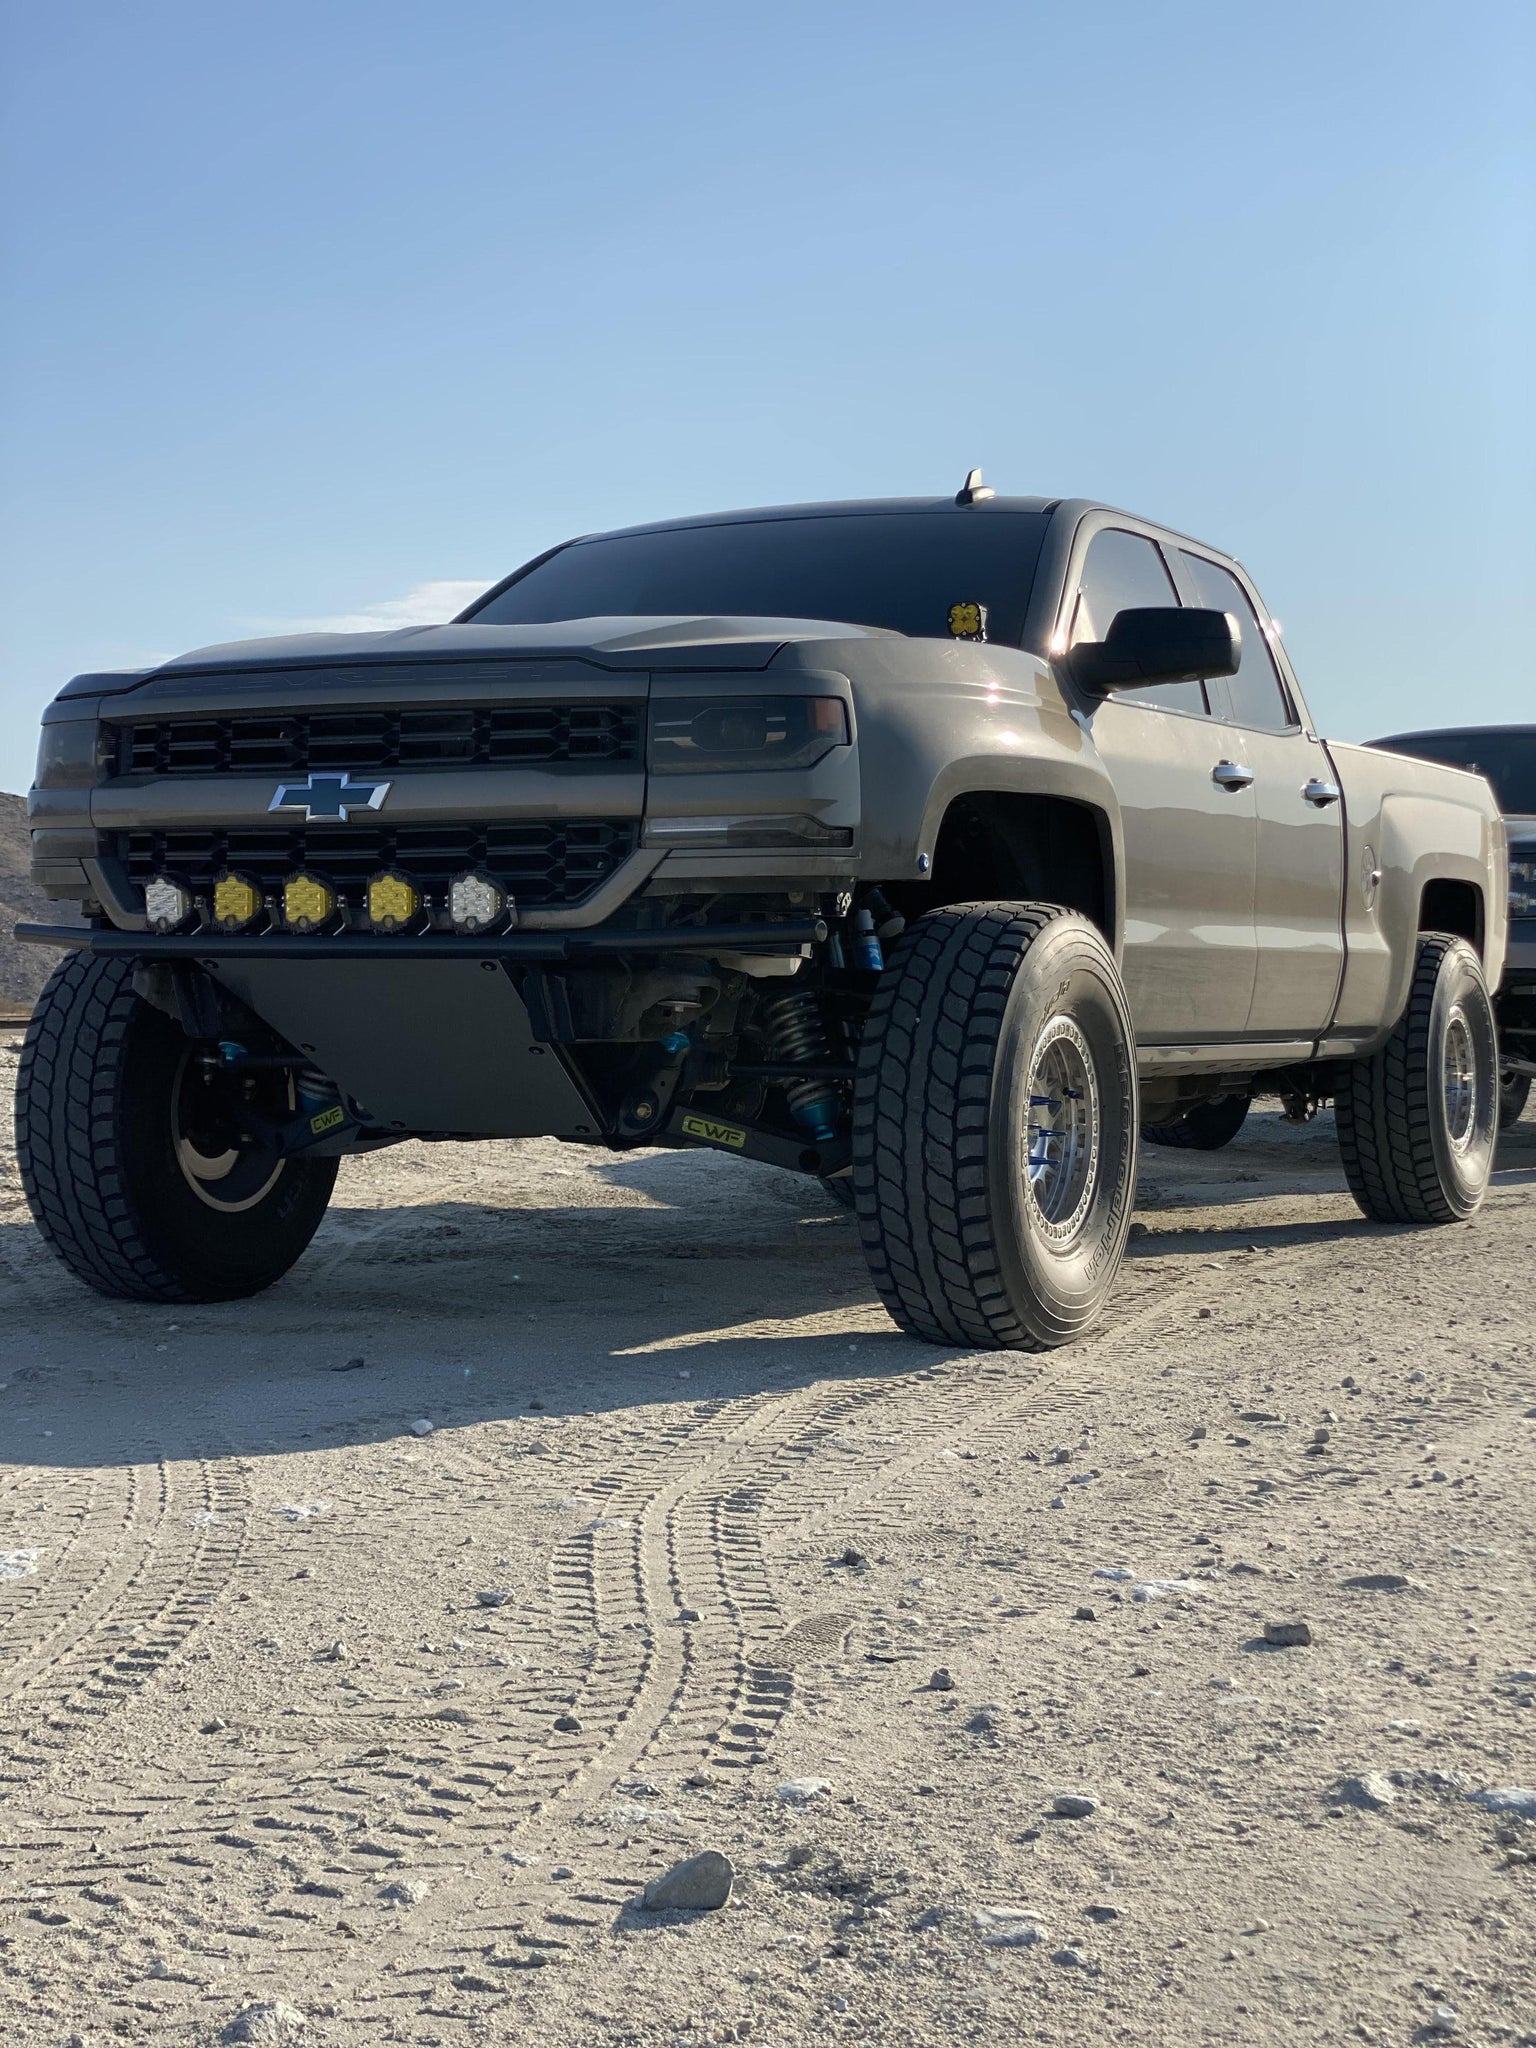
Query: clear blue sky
column 310, row 306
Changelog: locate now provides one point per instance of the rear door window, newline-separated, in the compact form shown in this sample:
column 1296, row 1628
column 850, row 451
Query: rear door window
column 1256, row 693
column 1126, row 572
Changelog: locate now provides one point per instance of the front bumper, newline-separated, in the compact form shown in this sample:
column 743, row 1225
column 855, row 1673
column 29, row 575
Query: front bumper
column 211, row 949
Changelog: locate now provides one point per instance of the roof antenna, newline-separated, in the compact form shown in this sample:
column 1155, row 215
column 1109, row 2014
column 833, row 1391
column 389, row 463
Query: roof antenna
column 973, row 491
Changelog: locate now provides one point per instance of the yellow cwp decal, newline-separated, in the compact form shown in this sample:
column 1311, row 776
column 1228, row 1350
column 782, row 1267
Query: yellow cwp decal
column 968, row 622
column 328, row 1119
column 712, row 1133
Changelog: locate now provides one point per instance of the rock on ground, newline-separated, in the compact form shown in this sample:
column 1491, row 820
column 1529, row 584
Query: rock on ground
column 699, row 1884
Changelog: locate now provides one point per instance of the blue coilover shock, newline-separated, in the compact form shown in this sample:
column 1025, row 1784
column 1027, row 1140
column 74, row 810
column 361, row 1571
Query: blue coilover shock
column 793, row 1026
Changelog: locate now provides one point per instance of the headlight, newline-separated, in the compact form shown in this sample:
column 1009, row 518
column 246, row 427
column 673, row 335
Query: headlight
column 1522, row 888
column 71, row 754
column 700, row 735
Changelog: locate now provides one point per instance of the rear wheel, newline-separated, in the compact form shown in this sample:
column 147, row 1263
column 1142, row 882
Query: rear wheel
column 1205, row 1128
column 995, row 1119
column 1514, row 1091
column 1417, row 1120
column 132, row 1156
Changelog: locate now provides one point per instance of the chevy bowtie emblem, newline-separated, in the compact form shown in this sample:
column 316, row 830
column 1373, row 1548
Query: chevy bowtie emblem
column 329, row 796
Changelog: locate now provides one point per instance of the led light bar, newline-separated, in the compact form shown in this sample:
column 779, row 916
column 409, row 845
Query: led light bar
column 167, row 905
column 475, row 903
column 394, row 901
column 308, row 903
column 236, row 902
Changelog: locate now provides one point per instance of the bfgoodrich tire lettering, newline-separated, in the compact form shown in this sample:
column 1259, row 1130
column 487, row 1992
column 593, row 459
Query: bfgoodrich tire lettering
column 97, row 1135
column 1418, row 1119
column 989, row 1217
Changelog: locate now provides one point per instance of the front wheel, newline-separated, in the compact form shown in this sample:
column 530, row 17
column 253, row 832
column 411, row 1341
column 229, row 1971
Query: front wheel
column 995, row 1123
column 133, row 1158
column 1418, row 1119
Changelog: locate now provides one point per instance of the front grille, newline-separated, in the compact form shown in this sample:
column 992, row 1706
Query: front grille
column 491, row 736
column 543, row 861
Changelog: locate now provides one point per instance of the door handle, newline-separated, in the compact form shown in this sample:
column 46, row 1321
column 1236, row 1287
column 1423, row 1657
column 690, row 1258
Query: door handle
column 1321, row 794
column 1232, row 775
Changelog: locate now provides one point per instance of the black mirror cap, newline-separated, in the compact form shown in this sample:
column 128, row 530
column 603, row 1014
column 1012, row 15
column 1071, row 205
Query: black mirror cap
column 1158, row 644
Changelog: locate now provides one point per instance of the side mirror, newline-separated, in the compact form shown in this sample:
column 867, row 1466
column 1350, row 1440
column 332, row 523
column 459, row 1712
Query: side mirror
column 1158, row 644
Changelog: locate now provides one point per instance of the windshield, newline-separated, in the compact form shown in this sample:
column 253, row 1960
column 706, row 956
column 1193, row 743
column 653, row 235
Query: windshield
column 902, row 570
column 1505, row 754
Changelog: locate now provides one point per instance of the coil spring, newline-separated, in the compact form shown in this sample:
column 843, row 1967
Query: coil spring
column 794, row 1029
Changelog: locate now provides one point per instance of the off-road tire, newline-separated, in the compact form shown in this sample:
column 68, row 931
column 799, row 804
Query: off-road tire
column 1514, row 1092
column 94, row 1137
column 958, row 1245
column 1408, row 1155
column 1205, row 1128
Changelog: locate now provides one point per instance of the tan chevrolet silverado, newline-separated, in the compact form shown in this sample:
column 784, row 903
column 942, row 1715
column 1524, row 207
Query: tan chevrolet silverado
column 924, row 846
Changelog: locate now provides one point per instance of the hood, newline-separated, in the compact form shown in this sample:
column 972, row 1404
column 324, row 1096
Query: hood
column 612, row 643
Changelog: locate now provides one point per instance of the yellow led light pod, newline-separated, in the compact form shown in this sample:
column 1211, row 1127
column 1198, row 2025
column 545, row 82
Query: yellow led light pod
column 393, row 902
column 236, row 902
column 308, row 903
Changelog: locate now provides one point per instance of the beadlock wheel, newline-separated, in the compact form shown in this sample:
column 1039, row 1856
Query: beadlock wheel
column 131, row 1158
column 995, row 1126
column 1418, row 1120
column 221, row 1172
column 1062, row 1130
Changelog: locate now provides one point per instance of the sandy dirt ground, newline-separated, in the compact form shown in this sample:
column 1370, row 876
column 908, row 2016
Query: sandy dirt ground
column 264, row 1744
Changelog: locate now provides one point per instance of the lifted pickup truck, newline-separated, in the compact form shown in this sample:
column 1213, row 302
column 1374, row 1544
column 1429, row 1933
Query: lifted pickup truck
column 921, row 845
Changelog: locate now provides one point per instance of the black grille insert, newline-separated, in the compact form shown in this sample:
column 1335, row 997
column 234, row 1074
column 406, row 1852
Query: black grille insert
column 279, row 743
column 543, row 861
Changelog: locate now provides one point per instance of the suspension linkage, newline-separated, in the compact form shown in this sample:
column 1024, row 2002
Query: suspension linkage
column 787, row 1070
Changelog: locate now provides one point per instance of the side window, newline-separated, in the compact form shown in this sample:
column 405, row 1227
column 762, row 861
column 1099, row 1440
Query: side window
column 1258, row 695
column 1124, row 572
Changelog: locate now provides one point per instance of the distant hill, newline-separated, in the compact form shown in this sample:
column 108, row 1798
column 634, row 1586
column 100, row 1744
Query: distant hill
column 23, row 969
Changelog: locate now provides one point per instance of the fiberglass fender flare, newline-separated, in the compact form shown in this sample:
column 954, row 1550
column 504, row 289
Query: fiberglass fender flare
column 1077, row 776
column 936, row 720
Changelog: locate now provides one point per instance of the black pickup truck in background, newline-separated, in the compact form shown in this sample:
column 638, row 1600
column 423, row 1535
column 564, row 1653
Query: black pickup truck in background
column 1506, row 755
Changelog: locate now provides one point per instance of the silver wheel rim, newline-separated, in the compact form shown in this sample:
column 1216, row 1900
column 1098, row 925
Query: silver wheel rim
column 1459, row 1080
column 229, row 1181
column 1061, row 1132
